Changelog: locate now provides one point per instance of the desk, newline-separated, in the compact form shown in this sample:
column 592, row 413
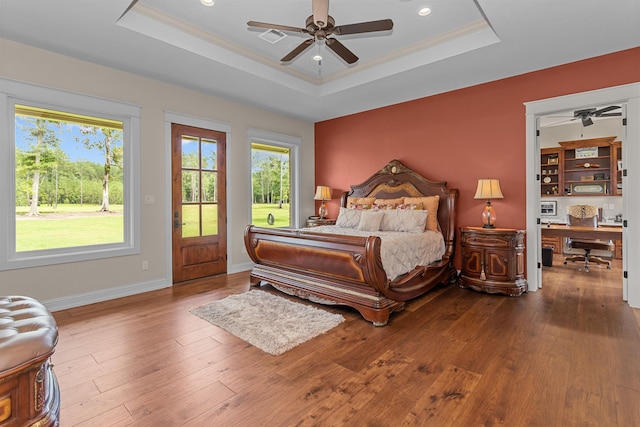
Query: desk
column 603, row 232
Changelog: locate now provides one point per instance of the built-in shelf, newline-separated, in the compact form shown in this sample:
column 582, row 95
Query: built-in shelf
column 586, row 167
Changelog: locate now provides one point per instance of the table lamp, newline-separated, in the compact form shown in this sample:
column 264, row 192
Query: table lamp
column 322, row 193
column 488, row 189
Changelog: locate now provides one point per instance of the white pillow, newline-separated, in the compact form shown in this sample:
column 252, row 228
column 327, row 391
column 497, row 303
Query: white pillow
column 370, row 220
column 348, row 218
column 407, row 220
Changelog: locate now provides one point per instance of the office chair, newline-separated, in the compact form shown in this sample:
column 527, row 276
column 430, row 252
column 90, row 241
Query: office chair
column 586, row 216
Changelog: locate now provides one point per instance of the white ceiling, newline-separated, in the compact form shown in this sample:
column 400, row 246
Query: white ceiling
column 211, row 49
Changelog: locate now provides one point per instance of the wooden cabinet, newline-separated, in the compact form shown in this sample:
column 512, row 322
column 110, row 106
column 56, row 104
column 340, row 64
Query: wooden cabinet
column 617, row 253
column 585, row 167
column 551, row 160
column 493, row 260
column 554, row 242
column 616, row 168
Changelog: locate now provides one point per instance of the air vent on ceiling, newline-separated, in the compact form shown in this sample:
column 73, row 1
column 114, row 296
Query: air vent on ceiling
column 272, row 36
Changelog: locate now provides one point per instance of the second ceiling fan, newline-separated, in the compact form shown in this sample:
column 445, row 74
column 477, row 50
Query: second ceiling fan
column 586, row 114
column 320, row 25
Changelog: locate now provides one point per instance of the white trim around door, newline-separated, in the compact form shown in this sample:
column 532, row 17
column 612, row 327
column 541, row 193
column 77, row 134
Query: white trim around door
column 625, row 94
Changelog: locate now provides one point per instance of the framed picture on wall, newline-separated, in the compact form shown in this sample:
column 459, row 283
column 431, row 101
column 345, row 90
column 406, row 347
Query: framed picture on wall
column 586, row 152
column 548, row 208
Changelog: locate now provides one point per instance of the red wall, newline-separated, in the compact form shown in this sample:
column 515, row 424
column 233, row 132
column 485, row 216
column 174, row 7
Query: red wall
column 460, row 136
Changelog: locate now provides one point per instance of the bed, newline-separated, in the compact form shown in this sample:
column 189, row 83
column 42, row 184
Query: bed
column 331, row 266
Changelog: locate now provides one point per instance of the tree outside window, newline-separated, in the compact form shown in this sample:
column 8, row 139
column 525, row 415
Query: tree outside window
column 270, row 185
column 68, row 179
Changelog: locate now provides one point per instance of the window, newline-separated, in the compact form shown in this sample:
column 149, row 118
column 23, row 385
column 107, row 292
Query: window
column 71, row 184
column 273, row 179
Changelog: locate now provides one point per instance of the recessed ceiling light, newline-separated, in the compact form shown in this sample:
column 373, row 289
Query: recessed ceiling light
column 207, row 2
column 424, row 11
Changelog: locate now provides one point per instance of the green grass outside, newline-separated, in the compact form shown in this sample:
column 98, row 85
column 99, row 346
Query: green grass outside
column 191, row 220
column 49, row 232
column 46, row 209
column 260, row 213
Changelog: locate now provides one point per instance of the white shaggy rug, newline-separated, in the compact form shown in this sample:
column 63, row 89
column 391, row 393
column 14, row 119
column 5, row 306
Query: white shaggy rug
column 269, row 322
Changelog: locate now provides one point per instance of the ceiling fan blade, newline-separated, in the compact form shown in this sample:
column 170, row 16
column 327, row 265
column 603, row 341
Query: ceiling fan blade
column 606, row 109
column 320, row 12
column 609, row 115
column 298, row 50
column 364, row 27
column 276, row 27
column 342, row 51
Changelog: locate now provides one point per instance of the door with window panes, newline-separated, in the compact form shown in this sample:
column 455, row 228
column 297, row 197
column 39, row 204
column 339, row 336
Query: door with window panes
column 199, row 203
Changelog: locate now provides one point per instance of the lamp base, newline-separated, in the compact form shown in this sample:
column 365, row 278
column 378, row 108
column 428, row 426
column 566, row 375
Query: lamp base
column 488, row 215
column 322, row 212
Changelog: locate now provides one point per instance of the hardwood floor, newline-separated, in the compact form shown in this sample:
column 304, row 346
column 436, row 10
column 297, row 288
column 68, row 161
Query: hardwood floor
column 567, row 355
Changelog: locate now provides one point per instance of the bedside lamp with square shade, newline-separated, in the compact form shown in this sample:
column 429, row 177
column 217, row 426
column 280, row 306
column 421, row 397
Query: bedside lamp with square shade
column 488, row 189
column 322, row 193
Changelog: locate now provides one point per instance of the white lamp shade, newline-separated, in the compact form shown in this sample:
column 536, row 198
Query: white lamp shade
column 488, row 189
column 322, row 193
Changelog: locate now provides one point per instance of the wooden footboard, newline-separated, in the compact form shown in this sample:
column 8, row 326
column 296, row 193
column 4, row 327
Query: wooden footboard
column 328, row 269
column 331, row 269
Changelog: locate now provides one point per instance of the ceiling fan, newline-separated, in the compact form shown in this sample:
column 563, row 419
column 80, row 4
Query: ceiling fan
column 320, row 25
column 586, row 114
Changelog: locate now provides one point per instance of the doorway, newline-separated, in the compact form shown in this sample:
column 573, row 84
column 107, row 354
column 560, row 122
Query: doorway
column 626, row 94
column 198, row 214
column 580, row 152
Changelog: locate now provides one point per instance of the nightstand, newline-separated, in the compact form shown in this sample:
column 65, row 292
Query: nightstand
column 493, row 260
column 314, row 222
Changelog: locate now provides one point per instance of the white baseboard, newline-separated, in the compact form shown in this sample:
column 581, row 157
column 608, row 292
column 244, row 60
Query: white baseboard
column 104, row 295
column 237, row 268
column 78, row 300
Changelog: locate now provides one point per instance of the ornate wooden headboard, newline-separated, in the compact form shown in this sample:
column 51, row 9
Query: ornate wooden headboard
column 397, row 180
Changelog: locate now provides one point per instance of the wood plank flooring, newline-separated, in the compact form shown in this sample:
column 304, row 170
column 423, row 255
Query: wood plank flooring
column 567, row 355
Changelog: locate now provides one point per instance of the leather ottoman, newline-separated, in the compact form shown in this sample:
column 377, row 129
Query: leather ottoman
column 29, row 392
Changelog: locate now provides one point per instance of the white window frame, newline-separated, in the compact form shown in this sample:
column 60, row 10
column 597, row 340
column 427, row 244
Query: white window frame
column 293, row 143
column 13, row 92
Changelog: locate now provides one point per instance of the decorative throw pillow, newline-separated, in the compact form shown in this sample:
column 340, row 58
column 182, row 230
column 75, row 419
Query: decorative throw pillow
column 352, row 201
column 412, row 221
column 387, row 202
column 413, row 206
column 384, row 207
column 430, row 204
column 407, row 220
column 361, row 207
column 370, row 220
column 348, row 218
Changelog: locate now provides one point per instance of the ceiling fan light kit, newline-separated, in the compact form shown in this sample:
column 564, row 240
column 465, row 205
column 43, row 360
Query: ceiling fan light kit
column 320, row 26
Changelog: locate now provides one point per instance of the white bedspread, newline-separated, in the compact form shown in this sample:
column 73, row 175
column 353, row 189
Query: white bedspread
column 400, row 252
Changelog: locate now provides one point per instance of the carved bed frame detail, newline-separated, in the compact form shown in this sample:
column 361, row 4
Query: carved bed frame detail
column 347, row 270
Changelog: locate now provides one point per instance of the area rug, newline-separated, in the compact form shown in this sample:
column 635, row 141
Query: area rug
column 269, row 322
